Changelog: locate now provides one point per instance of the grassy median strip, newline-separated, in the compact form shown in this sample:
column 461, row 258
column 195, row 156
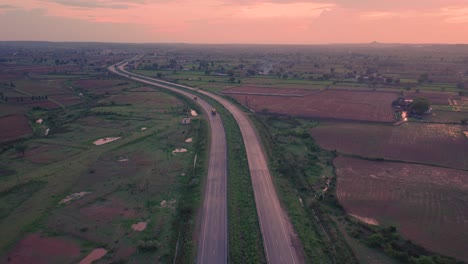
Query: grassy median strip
column 245, row 240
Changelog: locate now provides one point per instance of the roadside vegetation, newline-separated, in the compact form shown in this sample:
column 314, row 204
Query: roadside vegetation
column 306, row 180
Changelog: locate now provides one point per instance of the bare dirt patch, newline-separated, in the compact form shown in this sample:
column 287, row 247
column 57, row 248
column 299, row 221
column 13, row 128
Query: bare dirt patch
column 168, row 204
column 140, row 226
column 35, row 248
column 367, row 220
column 325, row 104
column 106, row 140
column 108, row 210
column 14, row 127
column 94, row 255
column 73, row 197
column 181, row 150
column 427, row 204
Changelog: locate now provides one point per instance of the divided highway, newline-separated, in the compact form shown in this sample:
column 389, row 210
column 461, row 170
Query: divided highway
column 213, row 239
column 277, row 232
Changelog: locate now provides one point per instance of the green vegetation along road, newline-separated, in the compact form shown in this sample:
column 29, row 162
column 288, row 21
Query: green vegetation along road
column 279, row 239
column 212, row 245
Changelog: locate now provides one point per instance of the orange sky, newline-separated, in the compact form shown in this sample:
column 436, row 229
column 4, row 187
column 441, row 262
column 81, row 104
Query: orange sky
column 236, row 21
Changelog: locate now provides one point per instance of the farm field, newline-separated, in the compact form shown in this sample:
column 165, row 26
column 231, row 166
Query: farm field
column 321, row 104
column 437, row 144
column 426, row 204
column 103, row 174
column 65, row 196
column 454, row 117
column 14, row 127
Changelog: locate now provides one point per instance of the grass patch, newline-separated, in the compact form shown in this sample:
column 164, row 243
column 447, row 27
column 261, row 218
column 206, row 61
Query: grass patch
column 11, row 198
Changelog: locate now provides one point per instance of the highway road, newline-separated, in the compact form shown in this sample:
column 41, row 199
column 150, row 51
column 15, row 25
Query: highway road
column 213, row 239
column 280, row 242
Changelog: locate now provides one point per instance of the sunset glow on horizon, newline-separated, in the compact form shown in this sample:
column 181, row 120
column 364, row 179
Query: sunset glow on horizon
column 236, row 21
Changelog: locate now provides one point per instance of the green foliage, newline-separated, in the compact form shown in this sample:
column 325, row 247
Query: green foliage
column 392, row 244
column 420, row 105
column 12, row 198
column 245, row 241
column 375, row 240
column 21, row 148
column 149, row 245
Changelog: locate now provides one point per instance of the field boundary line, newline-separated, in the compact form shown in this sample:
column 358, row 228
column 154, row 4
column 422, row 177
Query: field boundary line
column 350, row 155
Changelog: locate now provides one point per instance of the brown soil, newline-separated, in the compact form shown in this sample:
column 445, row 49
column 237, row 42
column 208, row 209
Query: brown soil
column 94, row 255
column 427, row 204
column 324, row 104
column 140, row 226
column 427, row 143
column 108, row 210
column 14, row 127
column 106, row 140
column 37, row 249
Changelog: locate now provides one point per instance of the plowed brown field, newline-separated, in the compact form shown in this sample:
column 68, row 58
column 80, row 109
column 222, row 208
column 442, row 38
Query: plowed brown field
column 439, row 144
column 428, row 205
column 14, row 127
column 320, row 104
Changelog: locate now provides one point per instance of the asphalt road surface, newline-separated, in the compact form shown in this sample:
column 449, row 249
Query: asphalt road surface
column 280, row 242
column 213, row 239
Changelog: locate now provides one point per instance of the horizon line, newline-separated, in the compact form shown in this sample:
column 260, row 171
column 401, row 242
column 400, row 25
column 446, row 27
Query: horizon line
column 227, row 43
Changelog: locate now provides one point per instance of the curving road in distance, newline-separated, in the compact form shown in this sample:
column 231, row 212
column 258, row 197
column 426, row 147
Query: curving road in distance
column 279, row 239
column 213, row 239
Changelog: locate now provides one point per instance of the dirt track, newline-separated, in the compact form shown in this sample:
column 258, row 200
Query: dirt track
column 278, row 234
column 213, row 240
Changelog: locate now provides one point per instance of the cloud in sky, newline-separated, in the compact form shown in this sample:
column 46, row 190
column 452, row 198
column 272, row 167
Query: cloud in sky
column 254, row 21
column 7, row 6
column 89, row 4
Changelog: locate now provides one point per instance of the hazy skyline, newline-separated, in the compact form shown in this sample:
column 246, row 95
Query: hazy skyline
column 236, row 21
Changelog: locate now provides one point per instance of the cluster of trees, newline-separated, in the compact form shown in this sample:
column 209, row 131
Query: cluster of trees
column 420, row 105
column 388, row 240
column 423, row 78
column 10, row 84
column 20, row 99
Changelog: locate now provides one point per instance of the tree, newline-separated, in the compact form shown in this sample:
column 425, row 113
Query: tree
column 21, row 148
column 420, row 105
column 423, row 78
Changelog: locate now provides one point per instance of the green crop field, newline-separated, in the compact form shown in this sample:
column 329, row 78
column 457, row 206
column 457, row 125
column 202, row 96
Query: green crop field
column 134, row 179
